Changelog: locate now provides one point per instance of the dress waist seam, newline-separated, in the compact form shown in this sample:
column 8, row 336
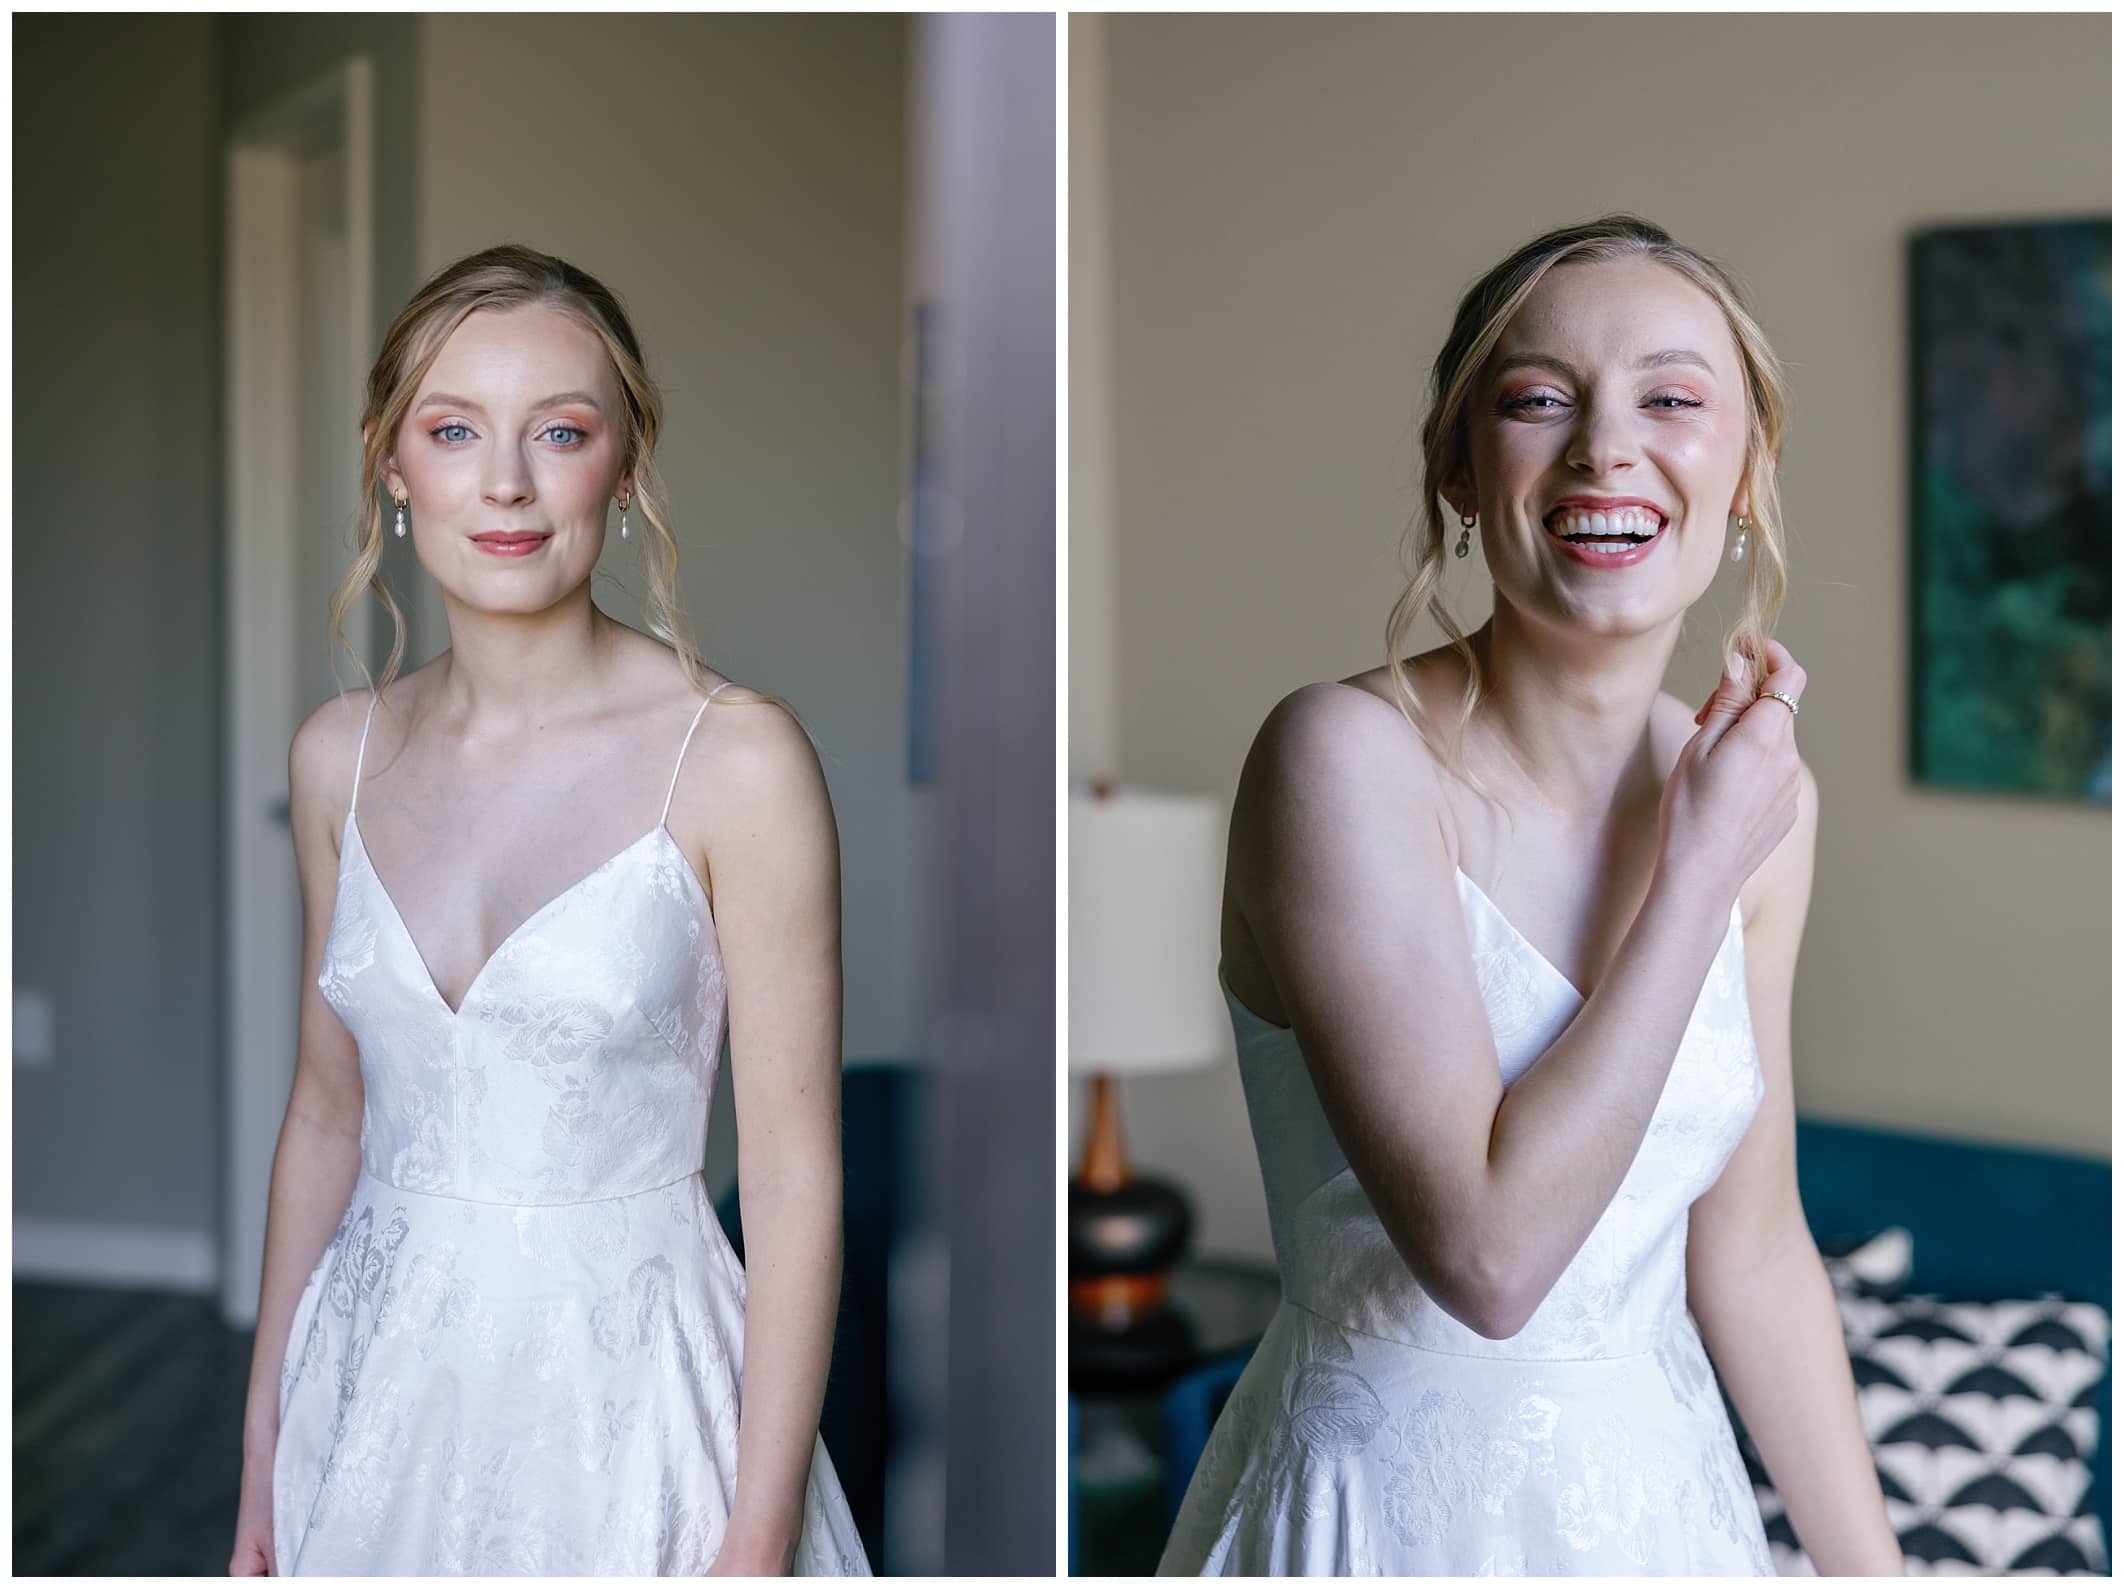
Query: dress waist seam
column 502, row 1202
column 1290, row 1301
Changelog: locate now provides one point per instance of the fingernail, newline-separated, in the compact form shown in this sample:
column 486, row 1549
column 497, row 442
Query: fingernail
column 1736, row 669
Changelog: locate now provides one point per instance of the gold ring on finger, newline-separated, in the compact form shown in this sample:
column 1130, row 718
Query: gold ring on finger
column 1780, row 695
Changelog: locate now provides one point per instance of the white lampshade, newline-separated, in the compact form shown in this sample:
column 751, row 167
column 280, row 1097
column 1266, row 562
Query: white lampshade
column 1146, row 882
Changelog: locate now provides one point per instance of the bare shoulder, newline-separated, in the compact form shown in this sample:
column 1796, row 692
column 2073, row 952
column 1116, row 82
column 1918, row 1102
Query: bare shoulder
column 751, row 765
column 1334, row 770
column 328, row 740
column 1331, row 732
column 321, row 759
column 755, row 737
column 332, row 730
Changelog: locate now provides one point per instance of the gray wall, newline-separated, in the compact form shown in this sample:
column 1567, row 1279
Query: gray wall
column 739, row 181
column 117, row 559
column 118, row 447
column 1297, row 205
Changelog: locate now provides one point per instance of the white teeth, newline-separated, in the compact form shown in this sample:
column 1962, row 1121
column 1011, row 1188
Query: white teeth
column 1625, row 521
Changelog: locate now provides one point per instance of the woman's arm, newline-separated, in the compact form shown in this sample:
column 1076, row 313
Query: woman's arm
column 1755, row 1281
column 775, row 864
column 1341, row 874
column 319, row 1151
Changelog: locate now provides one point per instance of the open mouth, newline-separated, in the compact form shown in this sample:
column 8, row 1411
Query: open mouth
column 1594, row 537
column 1634, row 527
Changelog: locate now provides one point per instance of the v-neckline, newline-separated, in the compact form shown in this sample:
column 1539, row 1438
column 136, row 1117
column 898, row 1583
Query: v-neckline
column 405, row 932
column 1546, row 963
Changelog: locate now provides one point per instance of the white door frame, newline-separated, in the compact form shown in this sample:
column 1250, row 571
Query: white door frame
column 271, row 627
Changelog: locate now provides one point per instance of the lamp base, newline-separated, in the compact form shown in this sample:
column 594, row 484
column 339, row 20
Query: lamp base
column 1148, row 1353
column 1115, row 1299
column 1122, row 1242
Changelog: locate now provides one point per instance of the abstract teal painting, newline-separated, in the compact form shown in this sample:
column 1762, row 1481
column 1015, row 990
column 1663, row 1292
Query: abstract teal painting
column 2010, row 507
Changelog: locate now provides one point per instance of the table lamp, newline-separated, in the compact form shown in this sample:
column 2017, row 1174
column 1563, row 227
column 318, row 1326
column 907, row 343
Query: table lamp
column 1146, row 875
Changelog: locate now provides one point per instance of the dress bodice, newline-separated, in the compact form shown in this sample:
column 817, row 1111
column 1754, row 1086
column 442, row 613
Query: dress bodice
column 1625, row 1283
column 522, row 1350
column 582, row 1060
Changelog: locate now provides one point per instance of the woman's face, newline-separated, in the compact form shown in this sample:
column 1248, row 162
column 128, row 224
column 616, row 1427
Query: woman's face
column 1614, row 380
column 516, row 427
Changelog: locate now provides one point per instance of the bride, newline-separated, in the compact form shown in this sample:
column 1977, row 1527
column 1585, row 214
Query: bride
column 523, row 1335
column 1508, row 945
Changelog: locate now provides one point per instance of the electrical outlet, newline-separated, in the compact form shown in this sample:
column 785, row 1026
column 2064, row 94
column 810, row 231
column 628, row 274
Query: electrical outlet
column 33, row 1030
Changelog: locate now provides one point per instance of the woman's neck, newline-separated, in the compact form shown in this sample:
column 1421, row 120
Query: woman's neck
column 1572, row 720
column 506, row 673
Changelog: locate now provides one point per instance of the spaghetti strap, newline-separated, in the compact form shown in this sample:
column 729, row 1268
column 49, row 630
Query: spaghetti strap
column 668, row 793
column 354, row 796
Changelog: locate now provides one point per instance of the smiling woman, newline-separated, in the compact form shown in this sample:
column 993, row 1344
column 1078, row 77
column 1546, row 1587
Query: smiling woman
column 1522, row 1125
column 500, row 1326
column 1727, row 371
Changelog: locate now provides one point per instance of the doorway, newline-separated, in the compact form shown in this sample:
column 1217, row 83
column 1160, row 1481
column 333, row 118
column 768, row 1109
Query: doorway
column 298, row 246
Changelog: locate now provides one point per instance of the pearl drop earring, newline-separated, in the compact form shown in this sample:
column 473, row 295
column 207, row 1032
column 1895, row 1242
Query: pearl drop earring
column 1740, row 546
column 623, row 518
column 401, row 515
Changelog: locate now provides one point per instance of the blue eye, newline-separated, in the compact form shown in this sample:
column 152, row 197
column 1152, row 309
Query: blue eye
column 456, row 424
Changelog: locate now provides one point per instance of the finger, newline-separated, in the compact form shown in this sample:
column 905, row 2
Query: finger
column 1778, row 660
column 1730, row 699
column 1776, row 654
column 1790, row 678
column 1706, row 706
column 1767, row 722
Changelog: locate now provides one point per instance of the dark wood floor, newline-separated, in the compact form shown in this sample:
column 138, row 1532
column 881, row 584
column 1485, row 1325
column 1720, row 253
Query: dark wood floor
column 128, row 1431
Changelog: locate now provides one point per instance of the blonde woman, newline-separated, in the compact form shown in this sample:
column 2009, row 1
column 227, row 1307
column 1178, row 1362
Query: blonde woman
column 1508, row 946
column 500, row 1330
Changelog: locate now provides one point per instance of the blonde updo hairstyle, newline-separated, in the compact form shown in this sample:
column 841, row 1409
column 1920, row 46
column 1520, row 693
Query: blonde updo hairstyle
column 508, row 277
column 1484, row 312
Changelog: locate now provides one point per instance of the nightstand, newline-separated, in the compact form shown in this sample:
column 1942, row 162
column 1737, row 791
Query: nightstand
column 1118, row 1381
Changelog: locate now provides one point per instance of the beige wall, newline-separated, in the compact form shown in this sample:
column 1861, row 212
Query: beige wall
column 1094, row 682
column 739, row 182
column 1296, row 205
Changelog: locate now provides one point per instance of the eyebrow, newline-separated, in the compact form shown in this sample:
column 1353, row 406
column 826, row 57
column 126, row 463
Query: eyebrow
column 447, row 400
column 1651, row 361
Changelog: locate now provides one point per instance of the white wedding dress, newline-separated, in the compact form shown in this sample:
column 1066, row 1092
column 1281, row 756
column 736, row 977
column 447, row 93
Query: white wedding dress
column 1372, row 1432
column 520, row 1352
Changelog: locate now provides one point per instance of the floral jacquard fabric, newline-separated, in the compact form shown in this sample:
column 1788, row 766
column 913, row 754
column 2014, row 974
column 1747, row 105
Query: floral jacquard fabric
column 1372, row 1432
column 521, row 1349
